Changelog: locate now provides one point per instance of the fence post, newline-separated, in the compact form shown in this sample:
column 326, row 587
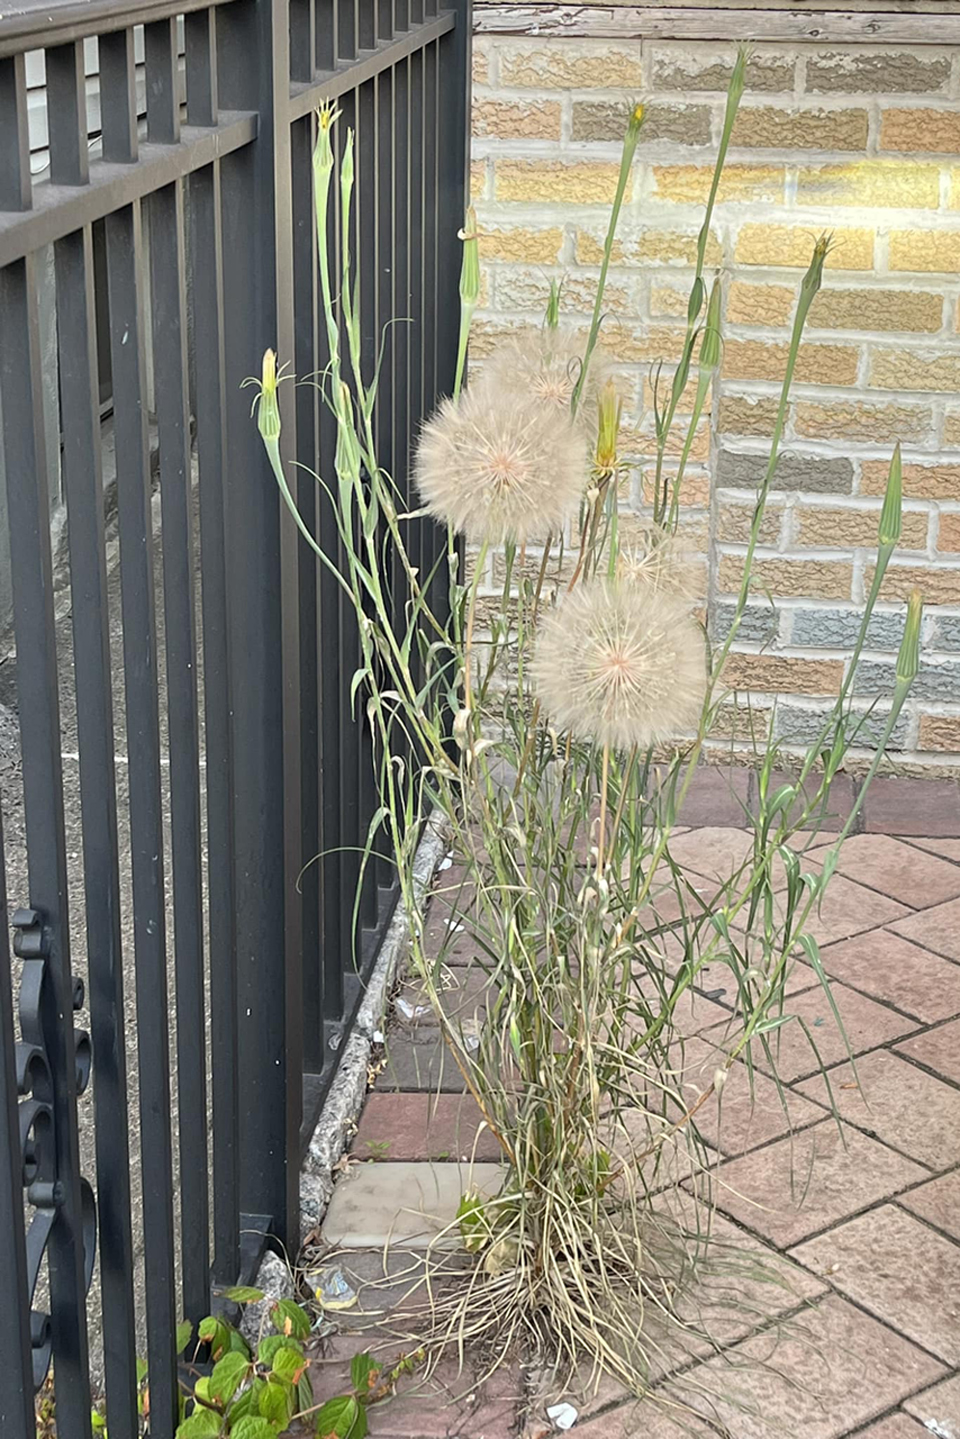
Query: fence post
column 254, row 69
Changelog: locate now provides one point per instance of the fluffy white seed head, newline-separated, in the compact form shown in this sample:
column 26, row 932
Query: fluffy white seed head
column 546, row 365
column 620, row 665
column 658, row 562
column 500, row 466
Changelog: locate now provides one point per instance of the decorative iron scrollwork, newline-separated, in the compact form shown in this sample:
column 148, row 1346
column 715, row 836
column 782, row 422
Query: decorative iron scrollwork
column 38, row 1140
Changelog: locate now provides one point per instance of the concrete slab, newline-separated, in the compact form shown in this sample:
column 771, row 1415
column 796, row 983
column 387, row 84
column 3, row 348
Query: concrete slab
column 404, row 1204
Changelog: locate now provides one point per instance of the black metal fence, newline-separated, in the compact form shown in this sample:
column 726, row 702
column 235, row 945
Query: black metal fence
column 227, row 675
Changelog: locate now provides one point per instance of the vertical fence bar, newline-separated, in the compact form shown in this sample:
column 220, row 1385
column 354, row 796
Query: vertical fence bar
column 67, row 114
column 325, row 32
column 118, row 96
column 367, row 24
column 16, row 1371
column 210, row 403
column 333, row 865
column 31, row 569
column 254, row 68
column 200, row 47
column 308, row 492
column 347, row 29
column 400, row 210
column 302, row 39
column 89, row 605
column 16, row 187
column 124, row 277
column 386, row 339
column 434, row 538
column 454, row 62
column 169, row 329
column 162, row 67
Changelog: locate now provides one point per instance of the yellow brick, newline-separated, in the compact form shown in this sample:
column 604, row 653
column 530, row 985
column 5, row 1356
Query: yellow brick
column 687, row 394
column 948, row 537
column 792, row 246
column 875, row 424
column 657, row 247
column 816, row 364
column 760, row 304
column 911, row 131
column 876, row 184
column 837, row 528
column 517, row 119
column 530, row 290
column 518, row 244
column 743, row 719
column 940, row 733
column 913, row 370
column 747, row 415
column 783, row 674
column 478, row 180
column 694, row 488
column 667, row 302
column 816, row 579
column 734, row 523
column 557, row 182
column 690, row 184
column 951, row 427
column 938, row 586
column 639, row 442
column 920, row 482
column 567, row 66
column 863, row 309
column 641, row 346
column 481, row 64
column 766, row 127
column 927, row 251
column 487, row 334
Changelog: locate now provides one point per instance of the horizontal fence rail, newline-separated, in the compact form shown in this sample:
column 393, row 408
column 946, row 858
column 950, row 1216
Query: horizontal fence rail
column 190, row 927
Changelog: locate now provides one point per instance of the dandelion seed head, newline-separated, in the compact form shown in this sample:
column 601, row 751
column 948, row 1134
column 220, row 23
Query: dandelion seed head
column 657, row 561
column 546, row 364
column 620, row 665
column 500, row 467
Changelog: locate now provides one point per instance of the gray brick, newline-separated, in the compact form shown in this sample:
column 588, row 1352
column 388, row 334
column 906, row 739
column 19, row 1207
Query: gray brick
column 814, row 473
column 759, row 624
column 796, row 725
column 606, row 120
column 874, row 74
column 940, row 682
column 838, row 629
column 946, row 633
column 771, row 73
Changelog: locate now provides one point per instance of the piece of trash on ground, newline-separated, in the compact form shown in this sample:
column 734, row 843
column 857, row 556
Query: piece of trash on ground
column 332, row 1289
column 564, row 1416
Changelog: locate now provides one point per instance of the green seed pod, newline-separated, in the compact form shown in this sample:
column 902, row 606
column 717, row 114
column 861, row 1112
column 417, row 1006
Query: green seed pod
column 710, row 344
column 908, row 659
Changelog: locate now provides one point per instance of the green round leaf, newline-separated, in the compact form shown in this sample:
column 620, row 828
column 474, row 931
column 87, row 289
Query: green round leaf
column 289, row 1319
column 228, row 1374
column 243, row 1294
column 341, row 1418
column 277, row 1402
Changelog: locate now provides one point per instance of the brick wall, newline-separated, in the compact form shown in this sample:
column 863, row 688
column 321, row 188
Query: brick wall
column 863, row 141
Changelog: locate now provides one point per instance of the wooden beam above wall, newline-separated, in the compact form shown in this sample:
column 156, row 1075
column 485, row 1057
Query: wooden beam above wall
column 925, row 22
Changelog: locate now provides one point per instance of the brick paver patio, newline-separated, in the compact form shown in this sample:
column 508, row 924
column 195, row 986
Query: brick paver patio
column 872, row 1342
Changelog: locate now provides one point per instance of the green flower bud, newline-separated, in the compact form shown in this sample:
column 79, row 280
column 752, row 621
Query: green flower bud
column 470, row 268
column 891, row 516
column 908, row 658
column 268, row 410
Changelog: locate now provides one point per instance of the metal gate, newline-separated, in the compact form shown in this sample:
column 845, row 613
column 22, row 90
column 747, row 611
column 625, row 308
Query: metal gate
column 182, row 668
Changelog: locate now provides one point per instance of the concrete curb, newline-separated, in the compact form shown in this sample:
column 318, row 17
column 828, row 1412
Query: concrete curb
column 348, row 1090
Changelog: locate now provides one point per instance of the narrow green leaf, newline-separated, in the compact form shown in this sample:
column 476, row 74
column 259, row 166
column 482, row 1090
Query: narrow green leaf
column 184, row 1335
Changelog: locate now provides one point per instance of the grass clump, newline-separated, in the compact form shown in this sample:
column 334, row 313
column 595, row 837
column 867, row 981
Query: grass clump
column 557, row 728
